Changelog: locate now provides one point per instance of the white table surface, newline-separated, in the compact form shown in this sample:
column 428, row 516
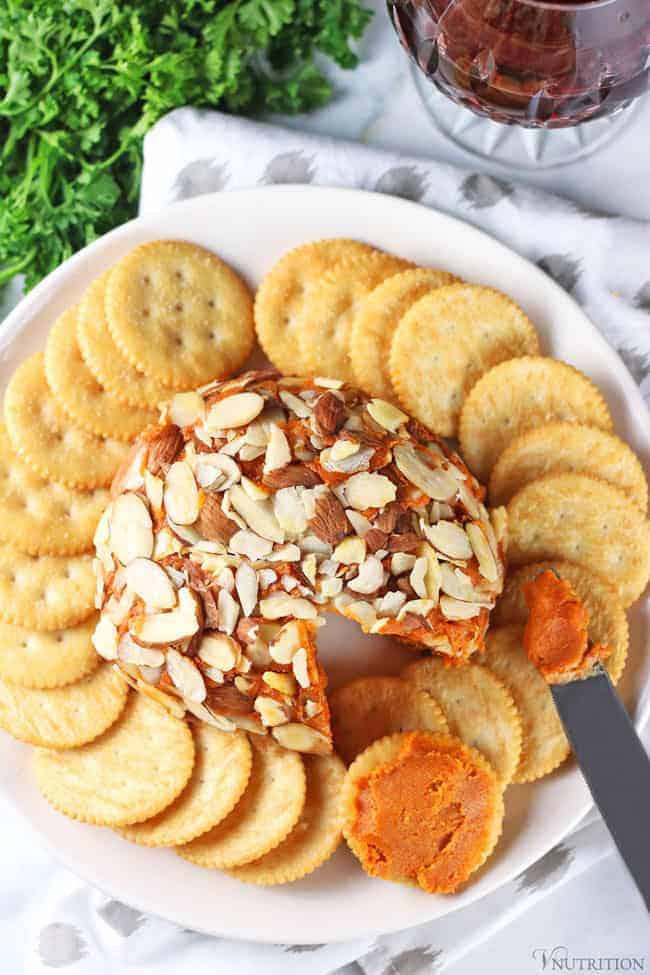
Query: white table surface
column 598, row 915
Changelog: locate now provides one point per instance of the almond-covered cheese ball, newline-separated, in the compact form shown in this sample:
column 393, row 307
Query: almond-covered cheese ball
column 256, row 505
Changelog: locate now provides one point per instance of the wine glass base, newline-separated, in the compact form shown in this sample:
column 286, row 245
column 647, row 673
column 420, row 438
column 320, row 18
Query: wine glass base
column 512, row 146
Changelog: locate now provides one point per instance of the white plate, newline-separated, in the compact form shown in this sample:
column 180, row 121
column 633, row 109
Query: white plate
column 250, row 229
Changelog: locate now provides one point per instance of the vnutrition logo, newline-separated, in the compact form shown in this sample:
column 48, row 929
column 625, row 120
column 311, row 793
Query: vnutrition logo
column 558, row 959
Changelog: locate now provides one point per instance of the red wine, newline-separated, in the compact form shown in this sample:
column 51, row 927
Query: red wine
column 531, row 62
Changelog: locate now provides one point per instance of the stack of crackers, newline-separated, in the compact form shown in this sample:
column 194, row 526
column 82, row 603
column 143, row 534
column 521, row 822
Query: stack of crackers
column 464, row 361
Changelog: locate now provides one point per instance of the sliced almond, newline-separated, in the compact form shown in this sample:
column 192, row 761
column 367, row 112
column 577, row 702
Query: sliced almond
column 105, row 639
column 220, row 651
column 301, row 738
column 278, row 451
column 401, row 562
column 283, row 683
column 253, row 546
column 247, row 587
column 131, row 529
column 370, row 576
column 160, row 629
column 213, row 523
column 454, row 609
column 285, row 644
column 455, row 583
column 331, row 587
column 181, row 494
column 270, row 711
column 118, row 608
column 487, row 564
column 350, row 463
column 361, row 612
column 204, row 713
column 343, row 448
column 417, row 577
column 217, row 471
column 450, row 539
column 164, row 448
column 328, row 521
column 228, row 612
column 290, row 511
column 234, row 411
column 309, row 566
column 279, row 604
column 131, row 652
column 258, row 515
column 360, row 523
column 186, row 409
column 329, row 414
column 153, row 487
column 386, row 415
column 300, row 668
column 366, row 490
column 350, row 551
column 151, row 583
column 295, row 404
column 390, row 603
column 258, row 492
column 437, row 483
column 186, row 677
column 419, row 607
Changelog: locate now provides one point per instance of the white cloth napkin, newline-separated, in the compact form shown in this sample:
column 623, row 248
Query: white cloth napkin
column 603, row 262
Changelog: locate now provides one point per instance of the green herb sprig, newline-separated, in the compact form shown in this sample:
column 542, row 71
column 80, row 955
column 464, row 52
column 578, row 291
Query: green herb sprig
column 81, row 82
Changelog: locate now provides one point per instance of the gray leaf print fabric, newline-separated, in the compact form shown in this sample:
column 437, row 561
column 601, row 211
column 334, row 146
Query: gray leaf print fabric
column 61, row 945
column 481, row 190
column 564, row 269
column 546, row 870
column 408, row 182
column 289, row 167
column 121, row 918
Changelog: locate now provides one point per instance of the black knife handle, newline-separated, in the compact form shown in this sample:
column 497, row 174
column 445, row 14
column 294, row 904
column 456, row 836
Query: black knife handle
column 615, row 766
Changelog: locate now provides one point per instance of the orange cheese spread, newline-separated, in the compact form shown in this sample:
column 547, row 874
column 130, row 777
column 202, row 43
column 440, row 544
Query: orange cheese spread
column 556, row 637
column 430, row 816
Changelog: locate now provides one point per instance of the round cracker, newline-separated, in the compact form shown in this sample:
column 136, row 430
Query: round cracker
column 325, row 322
column 281, row 297
column 46, row 440
column 559, row 448
column 577, row 518
column 179, row 313
column 109, row 366
column 478, row 707
column 521, row 394
column 377, row 319
column 221, row 772
column 79, row 394
column 45, row 592
column 315, row 836
column 544, row 743
column 264, row 816
column 607, row 620
column 369, row 708
column 385, row 752
column 44, row 517
column 446, row 341
column 132, row 772
column 33, row 658
column 63, row 717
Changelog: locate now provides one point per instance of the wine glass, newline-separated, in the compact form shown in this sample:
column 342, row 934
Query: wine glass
column 542, row 66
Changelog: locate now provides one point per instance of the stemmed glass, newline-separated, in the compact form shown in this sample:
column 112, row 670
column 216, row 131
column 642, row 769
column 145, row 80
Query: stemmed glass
column 544, row 65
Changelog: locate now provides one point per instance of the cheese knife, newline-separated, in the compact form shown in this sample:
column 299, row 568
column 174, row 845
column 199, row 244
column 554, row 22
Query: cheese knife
column 615, row 766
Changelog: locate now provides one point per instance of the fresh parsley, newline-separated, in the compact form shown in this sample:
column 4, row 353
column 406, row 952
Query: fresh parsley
column 81, row 81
